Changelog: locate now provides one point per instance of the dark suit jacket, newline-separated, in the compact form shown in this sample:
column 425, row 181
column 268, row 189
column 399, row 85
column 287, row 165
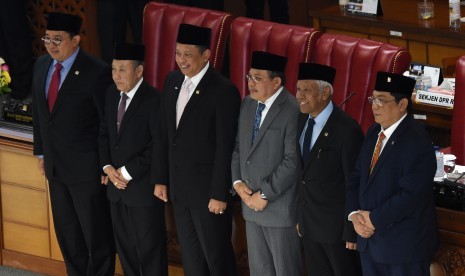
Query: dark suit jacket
column 194, row 159
column 399, row 195
column 132, row 145
column 324, row 180
column 68, row 136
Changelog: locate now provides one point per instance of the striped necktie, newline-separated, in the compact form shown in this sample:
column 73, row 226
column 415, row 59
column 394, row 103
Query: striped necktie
column 377, row 151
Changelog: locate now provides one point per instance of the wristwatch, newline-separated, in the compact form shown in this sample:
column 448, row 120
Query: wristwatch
column 262, row 195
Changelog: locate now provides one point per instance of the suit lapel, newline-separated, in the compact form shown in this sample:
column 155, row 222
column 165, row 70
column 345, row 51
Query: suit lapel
column 275, row 109
column 300, row 128
column 113, row 113
column 172, row 102
column 199, row 91
column 42, row 94
column 133, row 106
column 386, row 150
column 71, row 78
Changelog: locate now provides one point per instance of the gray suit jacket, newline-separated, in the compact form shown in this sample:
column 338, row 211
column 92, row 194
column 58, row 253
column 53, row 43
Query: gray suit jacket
column 271, row 164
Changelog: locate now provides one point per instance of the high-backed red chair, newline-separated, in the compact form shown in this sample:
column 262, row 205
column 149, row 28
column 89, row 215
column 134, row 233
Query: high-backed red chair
column 357, row 61
column 248, row 35
column 160, row 29
column 458, row 114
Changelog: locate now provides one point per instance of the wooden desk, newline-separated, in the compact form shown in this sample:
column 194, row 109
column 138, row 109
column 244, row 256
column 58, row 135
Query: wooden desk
column 428, row 41
column 438, row 122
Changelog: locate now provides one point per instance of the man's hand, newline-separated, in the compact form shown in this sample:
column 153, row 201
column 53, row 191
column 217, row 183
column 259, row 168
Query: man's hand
column 243, row 191
column 161, row 191
column 359, row 225
column 116, row 178
column 257, row 203
column 41, row 166
column 104, row 180
column 216, row 206
column 366, row 216
column 351, row 246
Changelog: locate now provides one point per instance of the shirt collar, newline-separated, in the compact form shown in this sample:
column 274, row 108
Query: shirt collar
column 321, row 118
column 133, row 91
column 269, row 102
column 197, row 78
column 390, row 130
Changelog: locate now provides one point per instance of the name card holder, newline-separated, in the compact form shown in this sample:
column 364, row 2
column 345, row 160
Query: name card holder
column 365, row 7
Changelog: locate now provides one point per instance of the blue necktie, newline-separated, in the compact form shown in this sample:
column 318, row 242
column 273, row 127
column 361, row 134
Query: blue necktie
column 258, row 118
column 307, row 140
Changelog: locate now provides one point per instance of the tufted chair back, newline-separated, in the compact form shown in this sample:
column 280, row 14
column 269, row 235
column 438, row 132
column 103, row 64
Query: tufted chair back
column 357, row 61
column 160, row 30
column 248, row 35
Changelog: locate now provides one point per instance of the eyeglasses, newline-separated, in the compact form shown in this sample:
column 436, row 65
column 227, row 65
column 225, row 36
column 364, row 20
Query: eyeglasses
column 378, row 102
column 256, row 79
column 55, row 41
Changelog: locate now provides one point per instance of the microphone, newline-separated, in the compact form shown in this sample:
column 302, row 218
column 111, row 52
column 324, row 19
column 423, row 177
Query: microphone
column 346, row 99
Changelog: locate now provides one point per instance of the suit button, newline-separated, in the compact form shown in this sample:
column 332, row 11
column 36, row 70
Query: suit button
column 116, row 147
column 247, row 181
column 248, row 162
column 303, row 182
column 174, row 144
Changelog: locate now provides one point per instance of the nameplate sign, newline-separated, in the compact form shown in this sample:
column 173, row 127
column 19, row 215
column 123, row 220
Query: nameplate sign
column 434, row 98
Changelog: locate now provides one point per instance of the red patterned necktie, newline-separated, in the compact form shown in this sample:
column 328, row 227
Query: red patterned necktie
column 377, row 151
column 54, row 86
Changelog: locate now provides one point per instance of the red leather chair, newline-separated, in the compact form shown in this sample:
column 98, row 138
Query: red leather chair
column 357, row 61
column 160, row 29
column 248, row 35
column 458, row 114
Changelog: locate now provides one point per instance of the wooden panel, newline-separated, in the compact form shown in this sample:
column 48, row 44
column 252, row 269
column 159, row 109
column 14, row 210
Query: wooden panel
column 24, row 205
column 398, row 42
column 378, row 38
column 354, row 34
column 436, row 53
column 20, row 169
column 26, row 239
column 418, row 51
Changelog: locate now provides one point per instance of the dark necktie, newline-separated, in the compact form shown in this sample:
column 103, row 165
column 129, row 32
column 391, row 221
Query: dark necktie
column 121, row 109
column 377, row 151
column 54, row 86
column 307, row 140
column 258, row 118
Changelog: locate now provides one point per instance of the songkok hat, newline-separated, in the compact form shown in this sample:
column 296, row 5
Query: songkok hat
column 194, row 35
column 268, row 61
column 394, row 83
column 127, row 51
column 58, row 21
column 315, row 71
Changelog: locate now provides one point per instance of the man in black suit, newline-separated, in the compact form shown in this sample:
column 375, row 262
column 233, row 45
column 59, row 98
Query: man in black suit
column 68, row 89
column 126, row 140
column 329, row 144
column 199, row 112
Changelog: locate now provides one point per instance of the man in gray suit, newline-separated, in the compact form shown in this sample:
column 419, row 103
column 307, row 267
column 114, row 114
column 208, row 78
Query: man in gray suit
column 265, row 168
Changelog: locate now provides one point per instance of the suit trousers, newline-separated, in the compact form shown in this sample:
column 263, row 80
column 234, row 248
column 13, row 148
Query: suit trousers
column 140, row 236
column 273, row 251
column 324, row 259
column 83, row 227
column 372, row 268
column 205, row 240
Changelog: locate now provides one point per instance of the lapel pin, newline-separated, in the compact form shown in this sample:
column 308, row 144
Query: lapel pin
column 392, row 143
column 77, row 73
column 176, row 88
column 326, row 134
column 197, row 92
column 388, row 79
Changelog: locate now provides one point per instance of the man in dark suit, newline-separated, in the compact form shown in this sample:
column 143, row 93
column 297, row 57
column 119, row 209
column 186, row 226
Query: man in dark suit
column 126, row 142
column 199, row 111
column 329, row 141
column 265, row 168
column 68, row 90
column 390, row 200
